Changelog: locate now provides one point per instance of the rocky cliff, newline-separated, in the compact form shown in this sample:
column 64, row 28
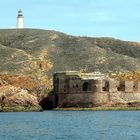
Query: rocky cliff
column 16, row 99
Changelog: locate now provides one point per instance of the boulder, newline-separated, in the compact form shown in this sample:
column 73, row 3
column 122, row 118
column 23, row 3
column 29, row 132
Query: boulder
column 16, row 99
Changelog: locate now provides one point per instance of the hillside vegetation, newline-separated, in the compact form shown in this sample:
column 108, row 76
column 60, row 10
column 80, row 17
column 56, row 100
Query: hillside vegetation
column 34, row 51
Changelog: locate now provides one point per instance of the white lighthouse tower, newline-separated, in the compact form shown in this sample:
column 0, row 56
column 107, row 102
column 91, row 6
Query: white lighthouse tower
column 20, row 20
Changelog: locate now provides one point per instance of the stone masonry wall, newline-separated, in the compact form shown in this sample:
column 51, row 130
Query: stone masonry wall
column 129, row 86
column 73, row 91
column 82, row 100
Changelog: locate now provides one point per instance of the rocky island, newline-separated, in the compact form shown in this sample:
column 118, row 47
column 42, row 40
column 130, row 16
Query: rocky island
column 29, row 57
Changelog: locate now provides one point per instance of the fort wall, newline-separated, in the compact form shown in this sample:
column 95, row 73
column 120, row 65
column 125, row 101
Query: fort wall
column 74, row 90
column 82, row 100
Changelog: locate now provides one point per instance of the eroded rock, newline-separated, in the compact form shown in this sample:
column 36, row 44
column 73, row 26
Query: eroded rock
column 16, row 99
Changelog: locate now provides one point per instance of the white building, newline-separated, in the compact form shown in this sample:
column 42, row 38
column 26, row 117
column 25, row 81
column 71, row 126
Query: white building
column 20, row 20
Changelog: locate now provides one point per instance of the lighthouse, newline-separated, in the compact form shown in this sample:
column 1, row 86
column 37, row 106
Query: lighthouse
column 20, row 20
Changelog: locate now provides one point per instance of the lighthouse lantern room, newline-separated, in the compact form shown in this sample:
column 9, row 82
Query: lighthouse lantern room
column 20, row 20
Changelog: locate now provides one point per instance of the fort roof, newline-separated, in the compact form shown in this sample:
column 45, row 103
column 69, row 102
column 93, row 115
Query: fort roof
column 83, row 75
column 67, row 72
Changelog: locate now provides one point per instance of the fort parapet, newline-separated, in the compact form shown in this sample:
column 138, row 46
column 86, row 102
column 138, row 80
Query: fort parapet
column 76, row 89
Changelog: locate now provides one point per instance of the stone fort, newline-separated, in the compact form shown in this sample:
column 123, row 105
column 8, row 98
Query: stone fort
column 77, row 89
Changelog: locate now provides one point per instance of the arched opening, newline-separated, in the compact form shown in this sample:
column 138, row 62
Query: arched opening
column 121, row 86
column 86, row 86
column 105, row 85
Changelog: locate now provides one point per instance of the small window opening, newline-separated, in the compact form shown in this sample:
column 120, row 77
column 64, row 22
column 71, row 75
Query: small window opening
column 86, row 86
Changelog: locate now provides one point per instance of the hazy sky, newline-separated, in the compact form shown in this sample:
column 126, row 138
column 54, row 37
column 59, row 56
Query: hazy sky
column 97, row 18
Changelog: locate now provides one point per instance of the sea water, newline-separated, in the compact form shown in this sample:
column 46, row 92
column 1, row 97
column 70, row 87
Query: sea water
column 70, row 125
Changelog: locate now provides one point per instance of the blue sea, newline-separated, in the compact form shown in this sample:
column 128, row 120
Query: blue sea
column 70, row 125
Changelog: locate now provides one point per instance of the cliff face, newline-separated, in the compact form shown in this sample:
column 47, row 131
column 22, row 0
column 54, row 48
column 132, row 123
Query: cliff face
column 16, row 99
column 28, row 51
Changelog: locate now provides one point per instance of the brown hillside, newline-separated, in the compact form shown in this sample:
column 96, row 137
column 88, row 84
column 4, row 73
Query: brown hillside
column 33, row 51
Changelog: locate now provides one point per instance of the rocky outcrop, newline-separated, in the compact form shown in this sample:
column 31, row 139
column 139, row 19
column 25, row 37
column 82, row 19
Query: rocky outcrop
column 16, row 99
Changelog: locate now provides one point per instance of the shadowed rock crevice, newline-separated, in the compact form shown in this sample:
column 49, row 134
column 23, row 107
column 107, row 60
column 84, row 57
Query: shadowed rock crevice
column 46, row 103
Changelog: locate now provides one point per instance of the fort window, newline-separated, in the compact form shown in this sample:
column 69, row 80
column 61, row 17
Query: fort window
column 40, row 66
column 106, row 86
column 86, row 86
column 57, row 87
column 77, row 86
column 121, row 86
column 104, row 89
column 64, row 88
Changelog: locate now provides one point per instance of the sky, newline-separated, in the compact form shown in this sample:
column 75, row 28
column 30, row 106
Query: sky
column 96, row 18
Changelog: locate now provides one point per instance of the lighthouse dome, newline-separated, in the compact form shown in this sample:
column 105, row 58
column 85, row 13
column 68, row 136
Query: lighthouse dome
column 20, row 14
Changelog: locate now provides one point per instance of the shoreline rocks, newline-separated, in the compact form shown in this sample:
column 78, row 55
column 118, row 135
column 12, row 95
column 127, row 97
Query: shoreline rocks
column 16, row 99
